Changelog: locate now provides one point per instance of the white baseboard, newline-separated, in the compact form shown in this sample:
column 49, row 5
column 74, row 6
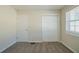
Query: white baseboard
column 37, row 41
column 7, row 46
column 29, row 41
column 69, row 47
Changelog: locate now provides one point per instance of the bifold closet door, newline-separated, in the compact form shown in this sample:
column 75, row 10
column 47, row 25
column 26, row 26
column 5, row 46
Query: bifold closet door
column 35, row 32
column 22, row 28
column 50, row 28
column 29, row 28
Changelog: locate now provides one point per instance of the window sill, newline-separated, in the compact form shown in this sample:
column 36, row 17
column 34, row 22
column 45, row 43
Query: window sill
column 73, row 34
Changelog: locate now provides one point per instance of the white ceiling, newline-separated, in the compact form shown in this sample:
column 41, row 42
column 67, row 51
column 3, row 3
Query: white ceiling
column 38, row 7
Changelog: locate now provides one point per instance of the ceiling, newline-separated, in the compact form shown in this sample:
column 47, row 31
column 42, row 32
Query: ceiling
column 38, row 7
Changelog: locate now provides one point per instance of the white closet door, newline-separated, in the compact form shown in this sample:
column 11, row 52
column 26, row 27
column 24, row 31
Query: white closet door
column 50, row 28
column 22, row 28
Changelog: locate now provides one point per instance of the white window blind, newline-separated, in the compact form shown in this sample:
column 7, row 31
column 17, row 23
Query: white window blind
column 72, row 20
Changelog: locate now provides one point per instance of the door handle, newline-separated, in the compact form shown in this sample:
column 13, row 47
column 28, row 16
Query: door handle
column 26, row 29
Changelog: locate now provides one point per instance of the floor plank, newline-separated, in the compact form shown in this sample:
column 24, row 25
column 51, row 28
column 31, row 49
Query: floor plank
column 45, row 47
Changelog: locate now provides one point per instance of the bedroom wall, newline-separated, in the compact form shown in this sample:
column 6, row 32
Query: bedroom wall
column 69, row 40
column 7, row 27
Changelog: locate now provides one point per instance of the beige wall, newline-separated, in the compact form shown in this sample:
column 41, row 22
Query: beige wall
column 34, row 19
column 7, row 27
column 69, row 40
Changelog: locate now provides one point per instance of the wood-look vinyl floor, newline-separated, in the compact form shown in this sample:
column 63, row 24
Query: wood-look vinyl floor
column 45, row 47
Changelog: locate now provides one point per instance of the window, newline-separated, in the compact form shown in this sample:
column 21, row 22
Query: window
column 72, row 21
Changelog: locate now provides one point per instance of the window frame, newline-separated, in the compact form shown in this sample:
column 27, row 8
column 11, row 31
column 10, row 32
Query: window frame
column 68, row 20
